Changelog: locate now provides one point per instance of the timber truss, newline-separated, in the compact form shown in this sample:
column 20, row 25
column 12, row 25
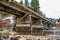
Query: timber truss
column 26, row 19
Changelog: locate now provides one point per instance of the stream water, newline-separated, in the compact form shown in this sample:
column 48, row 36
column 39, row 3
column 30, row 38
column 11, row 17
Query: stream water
column 53, row 33
column 49, row 33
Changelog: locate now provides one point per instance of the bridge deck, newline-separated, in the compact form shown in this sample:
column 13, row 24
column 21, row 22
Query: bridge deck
column 18, row 8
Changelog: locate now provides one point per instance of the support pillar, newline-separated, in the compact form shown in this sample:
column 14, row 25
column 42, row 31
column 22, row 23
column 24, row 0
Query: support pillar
column 41, row 23
column 30, row 22
column 41, row 26
column 15, row 22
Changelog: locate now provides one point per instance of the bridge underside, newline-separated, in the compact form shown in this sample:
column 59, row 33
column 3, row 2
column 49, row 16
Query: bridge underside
column 26, row 21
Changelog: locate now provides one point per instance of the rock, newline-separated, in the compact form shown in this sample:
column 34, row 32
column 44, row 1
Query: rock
column 5, row 34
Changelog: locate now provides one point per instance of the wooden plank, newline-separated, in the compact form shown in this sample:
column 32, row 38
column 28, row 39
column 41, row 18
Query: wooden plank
column 23, row 25
column 36, row 26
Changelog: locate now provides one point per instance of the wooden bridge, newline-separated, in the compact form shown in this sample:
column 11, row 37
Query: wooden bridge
column 26, row 19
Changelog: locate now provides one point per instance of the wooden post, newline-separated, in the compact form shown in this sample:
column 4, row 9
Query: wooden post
column 41, row 23
column 30, row 22
column 15, row 22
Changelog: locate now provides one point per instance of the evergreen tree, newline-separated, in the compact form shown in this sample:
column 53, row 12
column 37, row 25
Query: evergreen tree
column 21, row 2
column 35, row 4
column 26, row 3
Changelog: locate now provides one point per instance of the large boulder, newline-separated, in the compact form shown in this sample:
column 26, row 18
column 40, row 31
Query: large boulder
column 5, row 34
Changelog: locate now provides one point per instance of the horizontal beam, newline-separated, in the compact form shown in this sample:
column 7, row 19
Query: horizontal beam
column 23, row 25
column 36, row 26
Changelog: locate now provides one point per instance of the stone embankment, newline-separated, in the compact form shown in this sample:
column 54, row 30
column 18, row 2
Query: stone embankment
column 32, row 37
